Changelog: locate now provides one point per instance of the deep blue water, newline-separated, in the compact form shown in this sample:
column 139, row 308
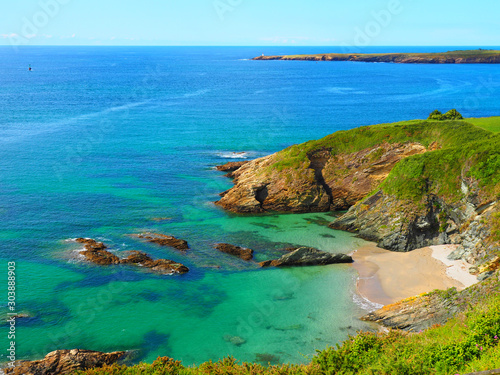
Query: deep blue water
column 98, row 141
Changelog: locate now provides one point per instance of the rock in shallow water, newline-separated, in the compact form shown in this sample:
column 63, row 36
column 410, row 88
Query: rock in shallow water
column 95, row 253
column 164, row 240
column 61, row 362
column 307, row 256
column 242, row 252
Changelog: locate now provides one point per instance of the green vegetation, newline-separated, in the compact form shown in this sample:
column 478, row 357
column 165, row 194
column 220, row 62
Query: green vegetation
column 489, row 123
column 469, row 342
column 452, row 114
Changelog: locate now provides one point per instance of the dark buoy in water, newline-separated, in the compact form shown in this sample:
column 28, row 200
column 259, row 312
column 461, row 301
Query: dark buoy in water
column 29, row 69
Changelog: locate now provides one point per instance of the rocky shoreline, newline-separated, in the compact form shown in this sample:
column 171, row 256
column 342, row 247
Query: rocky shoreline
column 453, row 57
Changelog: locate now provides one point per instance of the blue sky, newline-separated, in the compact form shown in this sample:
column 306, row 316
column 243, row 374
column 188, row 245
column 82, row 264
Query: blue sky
column 251, row 22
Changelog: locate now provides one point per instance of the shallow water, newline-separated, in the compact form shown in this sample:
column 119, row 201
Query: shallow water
column 100, row 142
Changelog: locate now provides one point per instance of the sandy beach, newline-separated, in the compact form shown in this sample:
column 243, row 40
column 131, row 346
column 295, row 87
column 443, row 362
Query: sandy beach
column 386, row 277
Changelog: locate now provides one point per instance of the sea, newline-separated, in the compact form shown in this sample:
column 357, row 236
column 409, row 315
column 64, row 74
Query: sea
column 106, row 142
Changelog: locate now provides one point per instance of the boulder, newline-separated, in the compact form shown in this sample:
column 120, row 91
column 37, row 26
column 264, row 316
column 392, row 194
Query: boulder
column 164, row 240
column 61, row 362
column 95, row 252
column 307, row 256
column 243, row 253
column 231, row 166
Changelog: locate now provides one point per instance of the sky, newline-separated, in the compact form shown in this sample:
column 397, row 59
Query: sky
column 251, row 22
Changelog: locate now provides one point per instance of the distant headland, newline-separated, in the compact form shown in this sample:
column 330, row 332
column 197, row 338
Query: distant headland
column 478, row 56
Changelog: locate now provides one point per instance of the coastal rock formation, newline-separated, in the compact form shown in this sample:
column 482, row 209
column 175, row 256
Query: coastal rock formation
column 231, row 166
column 452, row 57
column 405, row 225
column 96, row 252
column 62, row 362
column 243, row 253
column 307, row 256
column 322, row 181
column 424, row 311
column 161, row 266
column 164, row 240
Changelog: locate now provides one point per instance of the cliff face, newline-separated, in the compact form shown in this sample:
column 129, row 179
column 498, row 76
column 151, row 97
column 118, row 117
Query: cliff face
column 321, row 178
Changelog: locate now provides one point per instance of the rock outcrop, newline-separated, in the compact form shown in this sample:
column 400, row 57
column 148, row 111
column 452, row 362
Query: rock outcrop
column 307, row 256
column 164, row 240
column 62, row 362
column 95, row 253
column 405, row 225
column 231, row 166
column 243, row 253
column 161, row 266
column 424, row 311
column 322, row 182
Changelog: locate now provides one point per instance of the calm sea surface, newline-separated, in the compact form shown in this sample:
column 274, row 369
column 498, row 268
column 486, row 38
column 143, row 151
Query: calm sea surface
column 99, row 142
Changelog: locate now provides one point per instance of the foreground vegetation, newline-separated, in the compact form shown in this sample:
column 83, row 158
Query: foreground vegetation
column 469, row 342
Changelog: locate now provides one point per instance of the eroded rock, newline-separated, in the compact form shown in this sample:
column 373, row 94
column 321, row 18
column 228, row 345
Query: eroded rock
column 307, row 256
column 61, row 362
column 242, row 252
column 164, row 240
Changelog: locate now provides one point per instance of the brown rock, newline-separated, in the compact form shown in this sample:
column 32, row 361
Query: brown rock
column 104, row 257
column 137, row 257
column 243, row 253
column 167, row 267
column 95, row 252
column 322, row 182
column 62, row 362
column 164, row 240
column 231, row 166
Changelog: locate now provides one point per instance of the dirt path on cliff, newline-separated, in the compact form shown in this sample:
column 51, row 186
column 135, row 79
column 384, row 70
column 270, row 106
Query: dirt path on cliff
column 387, row 277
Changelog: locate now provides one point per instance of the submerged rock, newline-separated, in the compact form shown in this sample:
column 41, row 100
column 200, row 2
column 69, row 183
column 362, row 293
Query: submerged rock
column 242, row 252
column 307, row 256
column 61, row 362
column 235, row 340
column 164, row 240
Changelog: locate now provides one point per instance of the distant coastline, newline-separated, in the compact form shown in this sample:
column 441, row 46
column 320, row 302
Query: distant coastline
column 479, row 56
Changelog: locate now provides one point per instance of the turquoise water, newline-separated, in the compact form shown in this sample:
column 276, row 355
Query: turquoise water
column 98, row 142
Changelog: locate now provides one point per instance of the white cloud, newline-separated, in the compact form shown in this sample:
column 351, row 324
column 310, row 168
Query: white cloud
column 7, row 36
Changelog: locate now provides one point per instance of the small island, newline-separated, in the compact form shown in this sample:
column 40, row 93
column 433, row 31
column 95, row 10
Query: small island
column 478, row 56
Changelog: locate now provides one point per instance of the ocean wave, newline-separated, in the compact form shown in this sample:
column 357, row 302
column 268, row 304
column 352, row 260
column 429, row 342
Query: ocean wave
column 365, row 304
column 235, row 154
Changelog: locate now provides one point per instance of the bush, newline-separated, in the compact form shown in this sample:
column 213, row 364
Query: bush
column 436, row 115
column 452, row 114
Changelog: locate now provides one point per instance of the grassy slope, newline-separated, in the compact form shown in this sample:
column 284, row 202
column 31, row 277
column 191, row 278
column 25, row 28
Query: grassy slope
column 467, row 343
column 489, row 123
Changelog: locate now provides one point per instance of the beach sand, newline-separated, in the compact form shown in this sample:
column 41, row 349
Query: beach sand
column 386, row 277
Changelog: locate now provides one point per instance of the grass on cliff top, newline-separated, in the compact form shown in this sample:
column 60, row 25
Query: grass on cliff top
column 459, row 53
column 469, row 342
column 446, row 133
column 489, row 123
column 468, row 148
